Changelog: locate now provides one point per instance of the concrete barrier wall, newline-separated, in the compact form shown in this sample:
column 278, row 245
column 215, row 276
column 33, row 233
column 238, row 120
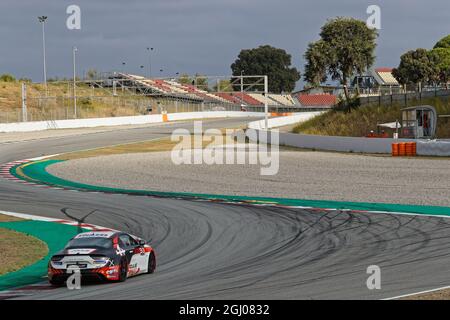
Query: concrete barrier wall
column 284, row 121
column 359, row 145
column 213, row 114
column 434, row 148
column 343, row 144
column 117, row 121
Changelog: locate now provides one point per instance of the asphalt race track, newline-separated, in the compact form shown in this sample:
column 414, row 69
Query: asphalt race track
column 211, row 250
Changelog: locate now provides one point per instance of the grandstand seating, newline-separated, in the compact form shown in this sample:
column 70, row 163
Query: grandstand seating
column 246, row 99
column 228, row 97
column 260, row 97
column 282, row 99
column 178, row 90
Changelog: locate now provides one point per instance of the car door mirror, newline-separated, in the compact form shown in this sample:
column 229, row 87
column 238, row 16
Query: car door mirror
column 142, row 242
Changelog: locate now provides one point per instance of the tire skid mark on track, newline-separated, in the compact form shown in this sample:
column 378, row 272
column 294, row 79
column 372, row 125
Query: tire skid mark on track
column 26, row 291
column 296, row 248
column 10, row 166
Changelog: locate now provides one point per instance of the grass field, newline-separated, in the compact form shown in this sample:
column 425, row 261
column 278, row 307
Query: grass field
column 18, row 250
column 360, row 121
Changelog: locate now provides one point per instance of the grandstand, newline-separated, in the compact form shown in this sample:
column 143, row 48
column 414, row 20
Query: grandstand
column 176, row 90
column 283, row 99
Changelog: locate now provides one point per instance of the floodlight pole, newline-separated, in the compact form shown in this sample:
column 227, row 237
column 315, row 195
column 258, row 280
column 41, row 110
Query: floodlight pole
column 42, row 20
column 149, row 61
column 24, row 102
column 266, row 104
column 242, row 83
column 74, row 83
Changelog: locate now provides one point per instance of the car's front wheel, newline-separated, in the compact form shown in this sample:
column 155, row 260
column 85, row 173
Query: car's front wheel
column 123, row 270
column 151, row 263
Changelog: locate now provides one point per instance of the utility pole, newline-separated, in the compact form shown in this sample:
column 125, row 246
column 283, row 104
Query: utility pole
column 42, row 20
column 24, row 102
column 266, row 104
column 149, row 61
column 242, row 83
column 74, row 50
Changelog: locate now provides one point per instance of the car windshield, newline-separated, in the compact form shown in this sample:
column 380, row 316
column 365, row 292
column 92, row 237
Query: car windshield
column 90, row 242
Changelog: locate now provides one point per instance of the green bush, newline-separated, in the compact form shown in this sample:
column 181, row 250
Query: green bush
column 86, row 102
column 7, row 78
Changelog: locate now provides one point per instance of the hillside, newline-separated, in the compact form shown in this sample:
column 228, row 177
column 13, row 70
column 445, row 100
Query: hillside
column 360, row 121
column 92, row 102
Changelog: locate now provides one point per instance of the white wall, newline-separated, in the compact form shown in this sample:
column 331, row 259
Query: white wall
column 433, row 148
column 117, row 121
column 358, row 145
column 343, row 144
column 284, row 121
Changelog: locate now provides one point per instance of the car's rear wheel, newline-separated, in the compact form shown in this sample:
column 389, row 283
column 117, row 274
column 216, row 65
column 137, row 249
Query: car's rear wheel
column 151, row 263
column 123, row 270
column 56, row 283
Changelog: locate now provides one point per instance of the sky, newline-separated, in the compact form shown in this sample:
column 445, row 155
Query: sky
column 196, row 36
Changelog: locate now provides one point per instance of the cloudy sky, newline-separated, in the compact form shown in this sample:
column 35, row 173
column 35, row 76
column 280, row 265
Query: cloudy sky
column 192, row 36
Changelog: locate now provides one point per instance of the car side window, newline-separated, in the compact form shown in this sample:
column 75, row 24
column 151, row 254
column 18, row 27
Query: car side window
column 121, row 243
column 125, row 239
column 133, row 242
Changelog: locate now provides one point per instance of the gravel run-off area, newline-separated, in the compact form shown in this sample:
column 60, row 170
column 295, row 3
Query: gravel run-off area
column 301, row 175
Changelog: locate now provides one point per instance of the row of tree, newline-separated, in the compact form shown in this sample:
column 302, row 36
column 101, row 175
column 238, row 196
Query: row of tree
column 423, row 66
column 346, row 47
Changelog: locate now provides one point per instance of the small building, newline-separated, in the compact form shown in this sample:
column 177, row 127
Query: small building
column 375, row 82
column 419, row 122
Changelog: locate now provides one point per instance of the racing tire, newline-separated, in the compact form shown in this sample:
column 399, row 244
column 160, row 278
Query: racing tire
column 151, row 263
column 123, row 270
column 56, row 283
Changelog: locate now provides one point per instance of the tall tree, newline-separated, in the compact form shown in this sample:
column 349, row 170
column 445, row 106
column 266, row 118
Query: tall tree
column 416, row 66
column 198, row 80
column 317, row 57
column 270, row 61
column 223, row 85
column 443, row 43
column 441, row 57
column 92, row 74
column 201, row 82
column 185, row 79
column 347, row 47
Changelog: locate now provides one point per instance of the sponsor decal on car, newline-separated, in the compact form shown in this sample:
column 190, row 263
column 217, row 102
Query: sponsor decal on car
column 80, row 251
column 120, row 251
column 94, row 234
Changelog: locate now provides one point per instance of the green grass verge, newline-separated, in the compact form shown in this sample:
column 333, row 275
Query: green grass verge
column 54, row 235
column 18, row 250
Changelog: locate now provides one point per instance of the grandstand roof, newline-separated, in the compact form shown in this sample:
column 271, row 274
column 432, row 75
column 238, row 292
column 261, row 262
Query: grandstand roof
column 384, row 69
column 385, row 74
